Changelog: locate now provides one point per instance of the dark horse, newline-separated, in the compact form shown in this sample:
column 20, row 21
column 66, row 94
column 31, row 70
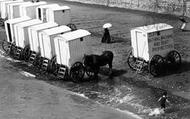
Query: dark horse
column 93, row 62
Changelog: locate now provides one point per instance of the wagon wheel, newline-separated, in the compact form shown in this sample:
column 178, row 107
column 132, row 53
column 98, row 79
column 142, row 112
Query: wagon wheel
column 77, row 72
column 72, row 26
column 131, row 60
column 174, row 59
column 26, row 53
column 38, row 60
column 156, row 65
column 6, row 47
column 53, row 65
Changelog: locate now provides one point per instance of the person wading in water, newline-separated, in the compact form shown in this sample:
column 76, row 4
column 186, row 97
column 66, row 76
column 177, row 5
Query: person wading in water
column 163, row 100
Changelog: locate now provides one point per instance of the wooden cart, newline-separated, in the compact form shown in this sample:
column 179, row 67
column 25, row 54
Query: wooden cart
column 153, row 48
column 47, row 47
column 9, row 43
column 70, row 49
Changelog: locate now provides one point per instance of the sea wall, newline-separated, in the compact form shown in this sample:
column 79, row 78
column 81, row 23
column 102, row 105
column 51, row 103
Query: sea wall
column 176, row 7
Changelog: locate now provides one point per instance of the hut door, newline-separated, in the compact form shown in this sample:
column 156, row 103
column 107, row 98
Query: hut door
column 140, row 44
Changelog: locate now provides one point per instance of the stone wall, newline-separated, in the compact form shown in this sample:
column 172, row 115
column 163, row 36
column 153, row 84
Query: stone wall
column 177, row 7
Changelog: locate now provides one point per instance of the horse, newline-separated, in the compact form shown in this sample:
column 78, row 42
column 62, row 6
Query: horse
column 94, row 62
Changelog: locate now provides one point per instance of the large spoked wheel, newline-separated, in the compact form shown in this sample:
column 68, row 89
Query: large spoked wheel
column 156, row 65
column 6, row 47
column 72, row 26
column 52, row 65
column 26, row 53
column 174, row 59
column 77, row 72
column 131, row 60
column 37, row 61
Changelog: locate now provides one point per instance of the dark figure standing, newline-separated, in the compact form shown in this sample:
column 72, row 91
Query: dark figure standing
column 106, row 37
column 163, row 100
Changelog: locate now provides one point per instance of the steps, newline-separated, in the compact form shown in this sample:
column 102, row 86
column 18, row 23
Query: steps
column 32, row 57
column 45, row 64
column 139, row 65
column 62, row 72
column 18, row 53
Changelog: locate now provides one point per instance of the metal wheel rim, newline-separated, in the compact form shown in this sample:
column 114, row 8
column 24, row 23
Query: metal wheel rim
column 174, row 58
column 131, row 61
column 53, row 65
column 72, row 26
column 37, row 61
column 26, row 53
column 155, row 66
column 75, row 74
column 6, row 46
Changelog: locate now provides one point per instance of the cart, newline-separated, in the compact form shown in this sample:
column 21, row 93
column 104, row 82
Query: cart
column 61, row 15
column 33, row 32
column 70, row 49
column 153, row 49
column 47, row 47
column 41, row 11
column 9, row 43
column 50, row 15
column 3, row 9
column 13, row 9
column 22, row 38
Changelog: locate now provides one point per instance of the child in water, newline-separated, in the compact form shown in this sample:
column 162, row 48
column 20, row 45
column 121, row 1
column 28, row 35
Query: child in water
column 163, row 100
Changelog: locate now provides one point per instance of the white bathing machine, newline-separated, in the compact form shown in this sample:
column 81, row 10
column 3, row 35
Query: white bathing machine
column 1, row 2
column 70, row 49
column 9, row 27
column 22, row 38
column 4, row 8
column 34, row 37
column 61, row 15
column 153, row 45
column 42, row 11
column 9, row 24
column 47, row 47
column 13, row 9
column 30, row 9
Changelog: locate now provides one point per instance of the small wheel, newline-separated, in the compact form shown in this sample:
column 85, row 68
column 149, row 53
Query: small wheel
column 131, row 60
column 6, row 47
column 52, row 67
column 156, row 65
column 26, row 53
column 174, row 59
column 77, row 72
column 72, row 26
